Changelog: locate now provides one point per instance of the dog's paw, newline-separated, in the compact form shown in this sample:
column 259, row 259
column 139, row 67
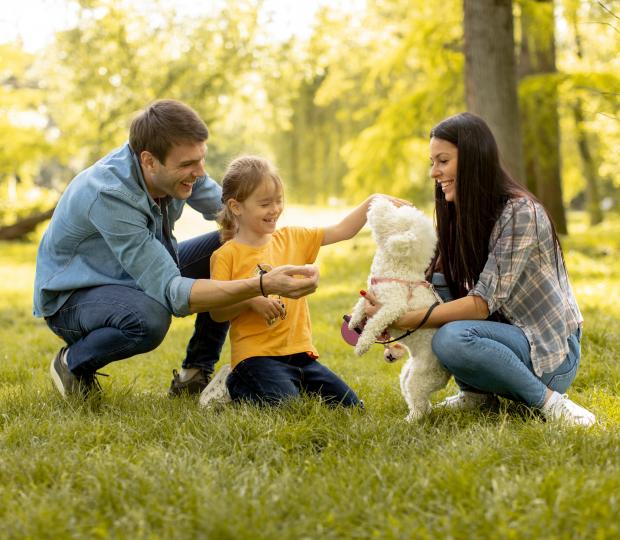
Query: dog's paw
column 363, row 345
column 417, row 413
column 394, row 352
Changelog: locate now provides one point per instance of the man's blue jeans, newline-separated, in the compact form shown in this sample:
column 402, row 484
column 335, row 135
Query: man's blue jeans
column 111, row 322
column 494, row 357
column 271, row 380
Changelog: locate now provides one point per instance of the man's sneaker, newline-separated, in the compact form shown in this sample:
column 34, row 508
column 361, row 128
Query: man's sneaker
column 470, row 401
column 89, row 385
column 69, row 384
column 193, row 385
column 561, row 409
column 216, row 392
column 64, row 381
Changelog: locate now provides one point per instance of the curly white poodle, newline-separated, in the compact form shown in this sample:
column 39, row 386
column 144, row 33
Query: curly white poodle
column 406, row 241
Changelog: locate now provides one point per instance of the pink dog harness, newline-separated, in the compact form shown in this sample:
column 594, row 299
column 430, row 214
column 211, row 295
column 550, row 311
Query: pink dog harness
column 411, row 284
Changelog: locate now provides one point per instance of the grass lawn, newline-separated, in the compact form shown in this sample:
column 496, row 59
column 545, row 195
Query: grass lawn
column 140, row 465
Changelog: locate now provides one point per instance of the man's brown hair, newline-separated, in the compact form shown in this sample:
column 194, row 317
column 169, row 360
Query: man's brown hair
column 163, row 124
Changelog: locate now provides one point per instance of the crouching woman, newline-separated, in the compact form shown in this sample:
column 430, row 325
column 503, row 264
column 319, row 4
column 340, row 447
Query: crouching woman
column 510, row 326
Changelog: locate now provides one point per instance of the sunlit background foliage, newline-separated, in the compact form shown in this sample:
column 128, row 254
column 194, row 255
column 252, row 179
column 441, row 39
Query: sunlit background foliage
column 343, row 111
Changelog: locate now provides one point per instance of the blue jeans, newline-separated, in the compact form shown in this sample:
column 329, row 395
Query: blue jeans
column 112, row 322
column 272, row 379
column 494, row 357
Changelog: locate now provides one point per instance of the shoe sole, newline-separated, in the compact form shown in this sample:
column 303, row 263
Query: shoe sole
column 216, row 391
column 54, row 374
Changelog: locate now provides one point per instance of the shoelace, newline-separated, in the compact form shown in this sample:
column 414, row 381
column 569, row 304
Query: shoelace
column 91, row 380
column 562, row 407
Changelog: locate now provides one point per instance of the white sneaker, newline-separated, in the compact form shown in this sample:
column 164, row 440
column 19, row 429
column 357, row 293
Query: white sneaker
column 469, row 401
column 562, row 409
column 216, row 392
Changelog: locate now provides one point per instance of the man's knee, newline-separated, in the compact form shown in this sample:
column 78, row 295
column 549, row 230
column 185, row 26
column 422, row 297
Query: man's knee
column 156, row 330
column 153, row 327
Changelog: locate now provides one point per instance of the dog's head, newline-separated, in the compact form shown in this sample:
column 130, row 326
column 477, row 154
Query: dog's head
column 402, row 232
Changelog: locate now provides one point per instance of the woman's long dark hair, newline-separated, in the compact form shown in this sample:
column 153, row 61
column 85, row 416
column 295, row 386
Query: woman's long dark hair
column 483, row 187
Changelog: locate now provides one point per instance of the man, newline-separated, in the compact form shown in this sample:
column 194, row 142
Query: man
column 109, row 272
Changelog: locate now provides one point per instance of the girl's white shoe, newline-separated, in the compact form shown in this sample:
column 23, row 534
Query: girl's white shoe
column 216, row 392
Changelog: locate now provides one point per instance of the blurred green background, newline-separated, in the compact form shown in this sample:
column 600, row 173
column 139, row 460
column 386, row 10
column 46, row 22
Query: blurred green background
column 341, row 95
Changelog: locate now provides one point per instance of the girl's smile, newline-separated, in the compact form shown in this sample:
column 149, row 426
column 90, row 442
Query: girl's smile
column 258, row 215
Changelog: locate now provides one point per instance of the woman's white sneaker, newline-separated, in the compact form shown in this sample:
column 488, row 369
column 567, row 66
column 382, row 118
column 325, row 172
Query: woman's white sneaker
column 561, row 409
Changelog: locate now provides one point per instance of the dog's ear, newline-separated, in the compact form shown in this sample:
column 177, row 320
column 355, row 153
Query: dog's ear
column 380, row 211
column 381, row 218
column 401, row 245
column 426, row 234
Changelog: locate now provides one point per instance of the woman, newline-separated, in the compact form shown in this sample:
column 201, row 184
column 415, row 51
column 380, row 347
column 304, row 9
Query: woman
column 510, row 325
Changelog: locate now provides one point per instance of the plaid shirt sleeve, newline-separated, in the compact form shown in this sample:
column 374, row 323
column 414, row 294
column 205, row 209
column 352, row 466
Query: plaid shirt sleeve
column 512, row 240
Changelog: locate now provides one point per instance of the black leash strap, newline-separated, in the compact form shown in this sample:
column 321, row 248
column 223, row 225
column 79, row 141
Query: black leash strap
column 409, row 332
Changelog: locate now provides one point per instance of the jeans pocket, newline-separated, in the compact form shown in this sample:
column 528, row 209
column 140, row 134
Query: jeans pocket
column 560, row 379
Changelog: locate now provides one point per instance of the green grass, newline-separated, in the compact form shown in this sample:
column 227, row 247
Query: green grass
column 140, row 465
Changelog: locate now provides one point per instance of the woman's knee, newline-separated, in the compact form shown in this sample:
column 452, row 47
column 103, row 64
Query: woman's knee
column 447, row 343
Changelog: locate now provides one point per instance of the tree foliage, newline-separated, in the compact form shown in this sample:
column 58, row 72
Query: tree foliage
column 343, row 113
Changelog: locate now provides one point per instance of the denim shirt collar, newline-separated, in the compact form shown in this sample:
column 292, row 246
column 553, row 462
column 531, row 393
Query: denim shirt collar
column 142, row 182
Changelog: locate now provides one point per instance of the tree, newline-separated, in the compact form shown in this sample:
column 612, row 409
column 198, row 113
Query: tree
column 399, row 77
column 100, row 73
column 309, row 132
column 490, row 75
column 584, row 145
column 538, row 94
column 25, row 142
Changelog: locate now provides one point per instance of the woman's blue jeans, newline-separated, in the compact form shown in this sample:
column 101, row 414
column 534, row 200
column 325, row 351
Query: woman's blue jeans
column 494, row 357
column 112, row 322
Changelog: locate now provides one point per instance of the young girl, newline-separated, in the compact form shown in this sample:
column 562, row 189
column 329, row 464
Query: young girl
column 273, row 357
column 510, row 325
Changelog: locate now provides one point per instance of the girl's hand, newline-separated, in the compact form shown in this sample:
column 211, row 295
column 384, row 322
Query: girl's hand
column 270, row 309
column 394, row 200
column 372, row 305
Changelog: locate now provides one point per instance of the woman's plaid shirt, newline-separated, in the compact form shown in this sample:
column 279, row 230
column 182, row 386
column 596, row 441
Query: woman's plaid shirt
column 524, row 279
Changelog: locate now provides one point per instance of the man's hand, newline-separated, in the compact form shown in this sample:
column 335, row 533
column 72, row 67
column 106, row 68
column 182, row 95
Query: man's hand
column 291, row 281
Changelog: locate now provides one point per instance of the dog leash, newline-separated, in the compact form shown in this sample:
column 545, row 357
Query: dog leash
column 409, row 332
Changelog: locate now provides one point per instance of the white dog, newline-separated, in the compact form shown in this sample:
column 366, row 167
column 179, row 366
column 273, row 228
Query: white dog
column 406, row 240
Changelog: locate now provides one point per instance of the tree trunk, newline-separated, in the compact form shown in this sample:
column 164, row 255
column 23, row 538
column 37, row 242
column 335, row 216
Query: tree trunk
column 490, row 75
column 593, row 200
column 593, row 203
column 24, row 226
column 539, row 107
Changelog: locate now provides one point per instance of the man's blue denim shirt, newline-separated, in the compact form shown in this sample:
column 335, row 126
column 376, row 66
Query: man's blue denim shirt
column 107, row 230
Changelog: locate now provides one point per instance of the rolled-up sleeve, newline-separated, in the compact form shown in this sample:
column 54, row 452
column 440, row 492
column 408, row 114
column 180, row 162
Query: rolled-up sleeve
column 514, row 237
column 125, row 230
